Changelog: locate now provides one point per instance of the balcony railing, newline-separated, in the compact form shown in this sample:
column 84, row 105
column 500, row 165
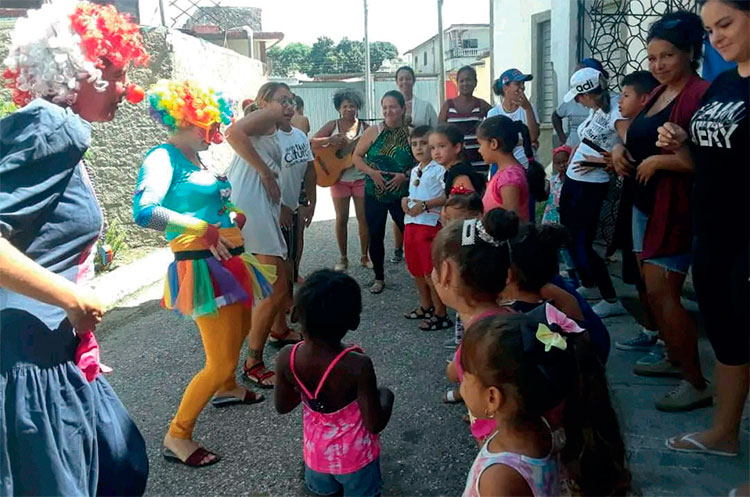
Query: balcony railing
column 455, row 53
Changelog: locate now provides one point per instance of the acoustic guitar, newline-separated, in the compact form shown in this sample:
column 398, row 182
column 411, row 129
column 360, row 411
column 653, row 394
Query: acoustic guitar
column 330, row 162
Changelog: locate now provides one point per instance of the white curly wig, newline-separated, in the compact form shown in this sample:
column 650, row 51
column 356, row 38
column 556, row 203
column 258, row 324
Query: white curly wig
column 48, row 58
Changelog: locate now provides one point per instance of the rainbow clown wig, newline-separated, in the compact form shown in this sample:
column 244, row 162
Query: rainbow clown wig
column 178, row 104
column 64, row 42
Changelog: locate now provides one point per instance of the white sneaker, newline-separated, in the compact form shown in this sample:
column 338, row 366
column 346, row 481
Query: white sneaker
column 605, row 309
column 685, row 398
column 591, row 293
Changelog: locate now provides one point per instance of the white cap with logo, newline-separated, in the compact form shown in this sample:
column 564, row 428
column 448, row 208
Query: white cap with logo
column 582, row 81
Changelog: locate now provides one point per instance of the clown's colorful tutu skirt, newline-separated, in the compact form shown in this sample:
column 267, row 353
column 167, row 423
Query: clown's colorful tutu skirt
column 197, row 284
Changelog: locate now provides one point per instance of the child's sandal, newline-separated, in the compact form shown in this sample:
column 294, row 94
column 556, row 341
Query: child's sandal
column 450, row 397
column 420, row 313
column 436, row 323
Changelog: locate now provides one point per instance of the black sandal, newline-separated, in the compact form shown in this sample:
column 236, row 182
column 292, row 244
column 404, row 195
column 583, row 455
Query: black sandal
column 420, row 313
column 436, row 323
column 194, row 460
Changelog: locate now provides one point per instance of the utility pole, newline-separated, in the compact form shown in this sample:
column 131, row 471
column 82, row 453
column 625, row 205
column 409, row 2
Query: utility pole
column 368, row 76
column 492, row 46
column 162, row 14
column 441, row 48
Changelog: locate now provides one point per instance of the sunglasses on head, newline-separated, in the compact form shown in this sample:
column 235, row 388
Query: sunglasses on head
column 419, row 176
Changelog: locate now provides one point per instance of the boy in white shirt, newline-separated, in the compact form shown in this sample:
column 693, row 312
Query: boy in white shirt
column 421, row 226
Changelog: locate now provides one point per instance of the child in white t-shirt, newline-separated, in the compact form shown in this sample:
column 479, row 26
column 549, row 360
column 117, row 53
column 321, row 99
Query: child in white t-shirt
column 421, row 226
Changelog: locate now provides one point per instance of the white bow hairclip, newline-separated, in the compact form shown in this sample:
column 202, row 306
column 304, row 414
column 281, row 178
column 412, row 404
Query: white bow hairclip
column 474, row 227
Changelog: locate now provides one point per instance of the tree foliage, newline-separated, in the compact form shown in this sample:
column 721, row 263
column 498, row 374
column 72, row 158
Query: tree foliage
column 327, row 57
column 291, row 59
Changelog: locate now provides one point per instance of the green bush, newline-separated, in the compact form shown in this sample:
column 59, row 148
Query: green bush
column 114, row 238
column 6, row 107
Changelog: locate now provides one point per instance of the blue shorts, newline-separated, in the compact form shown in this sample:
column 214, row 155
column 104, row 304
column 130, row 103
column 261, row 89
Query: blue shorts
column 679, row 263
column 367, row 482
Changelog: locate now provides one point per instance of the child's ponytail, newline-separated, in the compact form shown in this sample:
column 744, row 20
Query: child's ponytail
column 535, row 174
column 594, row 453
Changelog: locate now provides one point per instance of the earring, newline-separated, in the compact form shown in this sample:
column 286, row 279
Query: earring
column 488, row 414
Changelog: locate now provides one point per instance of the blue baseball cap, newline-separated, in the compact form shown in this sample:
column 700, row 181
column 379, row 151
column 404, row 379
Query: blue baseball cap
column 512, row 75
column 595, row 64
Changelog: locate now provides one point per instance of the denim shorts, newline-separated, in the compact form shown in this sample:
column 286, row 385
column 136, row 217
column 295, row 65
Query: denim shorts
column 367, row 482
column 679, row 263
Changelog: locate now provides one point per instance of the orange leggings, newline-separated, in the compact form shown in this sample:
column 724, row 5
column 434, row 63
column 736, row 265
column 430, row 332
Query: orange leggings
column 222, row 337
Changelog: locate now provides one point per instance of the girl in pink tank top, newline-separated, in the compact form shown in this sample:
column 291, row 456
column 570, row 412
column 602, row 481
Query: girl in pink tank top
column 341, row 418
column 509, row 187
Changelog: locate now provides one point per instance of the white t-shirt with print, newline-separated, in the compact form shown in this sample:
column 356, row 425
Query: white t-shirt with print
column 517, row 115
column 431, row 185
column 599, row 127
column 295, row 154
column 262, row 231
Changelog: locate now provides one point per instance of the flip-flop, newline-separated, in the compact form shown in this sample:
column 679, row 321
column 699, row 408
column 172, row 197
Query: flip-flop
column 193, row 459
column 699, row 447
column 249, row 399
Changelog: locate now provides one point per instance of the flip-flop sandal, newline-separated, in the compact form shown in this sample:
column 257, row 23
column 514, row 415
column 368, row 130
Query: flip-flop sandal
column 282, row 340
column 449, row 397
column 194, row 459
column 436, row 323
column 257, row 374
column 420, row 313
column 249, row 399
column 699, row 447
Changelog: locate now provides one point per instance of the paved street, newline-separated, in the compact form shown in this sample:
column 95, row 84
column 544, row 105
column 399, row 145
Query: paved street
column 427, row 449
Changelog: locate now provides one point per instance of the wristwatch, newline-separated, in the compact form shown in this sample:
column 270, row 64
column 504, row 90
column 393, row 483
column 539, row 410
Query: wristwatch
column 424, row 206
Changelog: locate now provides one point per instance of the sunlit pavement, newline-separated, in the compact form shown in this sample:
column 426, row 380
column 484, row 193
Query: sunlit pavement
column 427, row 449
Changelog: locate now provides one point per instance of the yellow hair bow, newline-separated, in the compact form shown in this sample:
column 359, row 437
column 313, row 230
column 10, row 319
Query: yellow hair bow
column 550, row 338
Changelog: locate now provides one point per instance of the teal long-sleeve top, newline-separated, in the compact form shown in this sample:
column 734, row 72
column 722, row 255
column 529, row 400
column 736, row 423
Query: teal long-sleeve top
column 175, row 196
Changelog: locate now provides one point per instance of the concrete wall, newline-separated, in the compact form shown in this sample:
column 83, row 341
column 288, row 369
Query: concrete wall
column 118, row 147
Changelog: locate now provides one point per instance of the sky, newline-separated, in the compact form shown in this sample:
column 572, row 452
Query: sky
column 405, row 23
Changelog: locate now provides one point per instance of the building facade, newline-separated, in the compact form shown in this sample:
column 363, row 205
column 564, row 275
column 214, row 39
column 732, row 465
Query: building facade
column 464, row 44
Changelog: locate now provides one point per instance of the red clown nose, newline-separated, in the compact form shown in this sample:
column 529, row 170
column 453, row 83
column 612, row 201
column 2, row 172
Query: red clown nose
column 217, row 138
column 134, row 93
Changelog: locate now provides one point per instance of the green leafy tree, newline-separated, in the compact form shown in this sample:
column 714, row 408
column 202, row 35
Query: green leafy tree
column 289, row 60
column 327, row 57
column 323, row 57
column 380, row 51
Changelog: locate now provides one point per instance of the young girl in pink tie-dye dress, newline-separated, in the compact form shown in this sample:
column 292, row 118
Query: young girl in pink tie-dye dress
column 343, row 409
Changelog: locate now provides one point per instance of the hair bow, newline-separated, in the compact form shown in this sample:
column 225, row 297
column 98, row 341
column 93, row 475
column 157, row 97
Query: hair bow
column 556, row 317
column 558, row 321
column 460, row 190
column 550, row 338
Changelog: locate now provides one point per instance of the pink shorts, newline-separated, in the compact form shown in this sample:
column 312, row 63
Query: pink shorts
column 343, row 189
column 418, row 248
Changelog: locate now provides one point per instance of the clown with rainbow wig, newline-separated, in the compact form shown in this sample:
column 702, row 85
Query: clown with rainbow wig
column 63, row 431
column 212, row 279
